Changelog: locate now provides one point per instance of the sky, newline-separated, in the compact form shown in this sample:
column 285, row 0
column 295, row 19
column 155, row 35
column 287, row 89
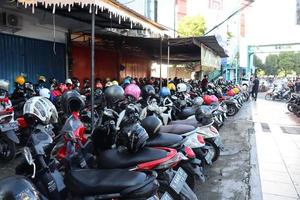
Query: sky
column 272, row 21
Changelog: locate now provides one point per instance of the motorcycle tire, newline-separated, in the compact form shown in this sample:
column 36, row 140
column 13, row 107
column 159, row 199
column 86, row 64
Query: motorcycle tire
column 298, row 113
column 211, row 143
column 288, row 97
column 7, row 148
column 290, row 107
column 268, row 97
column 231, row 110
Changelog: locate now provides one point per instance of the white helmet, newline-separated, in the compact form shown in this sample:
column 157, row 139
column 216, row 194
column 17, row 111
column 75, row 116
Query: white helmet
column 68, row 81
column 45, row 92
column 41, row 109
column 198, row 101
column 181, row 87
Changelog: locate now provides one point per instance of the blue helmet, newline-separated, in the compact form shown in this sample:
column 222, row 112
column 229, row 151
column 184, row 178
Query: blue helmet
column 126, row 81
column 164, row 92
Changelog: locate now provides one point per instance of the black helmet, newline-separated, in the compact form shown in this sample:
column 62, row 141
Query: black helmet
column 148, row 90
column 114, row 94
column 18, row 187
column 75, row 82
column 186, row 112
column 203, row 115
column 152, row 125
column 134, row 137
column 72, row 101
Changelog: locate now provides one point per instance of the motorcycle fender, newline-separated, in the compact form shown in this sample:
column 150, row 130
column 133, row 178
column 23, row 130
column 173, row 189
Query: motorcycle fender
column 12, row 136
column 192, row 141
column 207, row 133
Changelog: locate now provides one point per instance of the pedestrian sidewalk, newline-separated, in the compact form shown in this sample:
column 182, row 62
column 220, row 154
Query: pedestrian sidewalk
column 279, row 162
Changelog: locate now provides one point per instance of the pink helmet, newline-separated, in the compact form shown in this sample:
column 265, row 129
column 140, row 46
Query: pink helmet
column 214, row 98
column 133, row 90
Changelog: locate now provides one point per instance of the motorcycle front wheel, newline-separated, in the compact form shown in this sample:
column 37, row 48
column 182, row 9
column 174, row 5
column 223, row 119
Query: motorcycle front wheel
column 214, row 148
column 7, row 149
column 231, row 110
column 290, row 107
column 268, row 96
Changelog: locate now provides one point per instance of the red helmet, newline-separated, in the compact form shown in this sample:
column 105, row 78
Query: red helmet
column 207, row 99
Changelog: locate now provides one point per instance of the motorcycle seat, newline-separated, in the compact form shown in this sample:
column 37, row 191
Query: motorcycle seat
column 191, row 122
column 113, row 158
column 102, row 181
column 165, row 140
column 177, row 128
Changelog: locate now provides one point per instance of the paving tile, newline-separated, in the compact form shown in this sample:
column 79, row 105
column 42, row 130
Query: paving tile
column 276, row 197
column 267, row 175
column 279, row 167
column 276, row 188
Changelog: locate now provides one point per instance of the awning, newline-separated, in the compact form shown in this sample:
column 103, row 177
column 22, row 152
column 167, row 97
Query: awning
column 109, row 13
column 181, row 49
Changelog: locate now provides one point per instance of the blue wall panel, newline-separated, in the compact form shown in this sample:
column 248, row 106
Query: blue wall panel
column 31, row 57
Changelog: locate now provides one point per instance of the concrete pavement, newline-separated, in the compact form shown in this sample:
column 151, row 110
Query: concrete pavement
column 278, row 150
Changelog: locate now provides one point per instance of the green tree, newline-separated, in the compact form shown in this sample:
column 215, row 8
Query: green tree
column 191, row 26
column 286, row 63
column 257, row 62
column 271, row 64
column 297, row 63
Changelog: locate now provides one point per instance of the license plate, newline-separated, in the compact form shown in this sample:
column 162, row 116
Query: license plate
column 9, row 126
column 209, row 157
column 166, row 196
column 178, row 180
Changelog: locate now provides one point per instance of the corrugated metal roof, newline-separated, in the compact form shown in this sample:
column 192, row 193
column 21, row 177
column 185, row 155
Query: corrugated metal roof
column 30, row 56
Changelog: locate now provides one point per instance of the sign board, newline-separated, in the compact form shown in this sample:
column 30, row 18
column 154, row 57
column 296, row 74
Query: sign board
column 209, row 59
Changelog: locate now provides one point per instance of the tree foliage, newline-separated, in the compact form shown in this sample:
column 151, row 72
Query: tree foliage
column 283, row 63
column 191, row 26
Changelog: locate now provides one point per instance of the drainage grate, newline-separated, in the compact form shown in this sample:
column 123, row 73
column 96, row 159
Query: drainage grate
column 290, row 130
column 265, row 127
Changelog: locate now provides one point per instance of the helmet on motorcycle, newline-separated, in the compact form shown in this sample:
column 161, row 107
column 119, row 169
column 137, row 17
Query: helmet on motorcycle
column 134, row 137
column 164, row 92
column 126, row 81
column 44, row 92
column 114, row 82
column 114, row 94
column 75, row 81
column 181, row 87
column 42, row 79
column 204, row 115
column 99, row 84
column 148, row 90
column 40, row 109
column 152, row 125
column 108, row 84
column 68, row 81
column 235, row 90
column 230, row 93
column 62, row 87
column 20, row 80
column 18, row 187
column 133, row 90
column 198, row 101
column 213, row 98
column 171, row 86
column 207, row 99
column 52, row 81
column 4, row 84
column 29, row 87
column 72, row 101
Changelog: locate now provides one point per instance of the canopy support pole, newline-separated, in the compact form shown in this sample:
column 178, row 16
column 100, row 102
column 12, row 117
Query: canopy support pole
column 93, row 68
column 160, row 79
column 168, row 53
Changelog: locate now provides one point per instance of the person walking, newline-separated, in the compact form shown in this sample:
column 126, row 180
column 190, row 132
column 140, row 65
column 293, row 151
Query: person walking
column 297, row 86
column 204, row 83
column 255, row 88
